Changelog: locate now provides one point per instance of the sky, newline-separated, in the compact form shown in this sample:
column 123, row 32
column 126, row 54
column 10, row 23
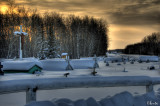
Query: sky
column 129, row 20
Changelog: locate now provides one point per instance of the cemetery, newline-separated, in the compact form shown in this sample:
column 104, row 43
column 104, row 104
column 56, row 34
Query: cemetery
column 55, row 75
column 33, row 75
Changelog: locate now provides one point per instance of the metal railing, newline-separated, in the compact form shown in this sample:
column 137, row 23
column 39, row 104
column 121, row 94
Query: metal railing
column 30, row 86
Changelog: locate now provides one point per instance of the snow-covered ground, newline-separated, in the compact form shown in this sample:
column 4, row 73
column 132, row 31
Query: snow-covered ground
column 136, row 69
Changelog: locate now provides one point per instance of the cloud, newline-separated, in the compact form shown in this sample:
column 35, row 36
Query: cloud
column 141, row 13
column 122, row 13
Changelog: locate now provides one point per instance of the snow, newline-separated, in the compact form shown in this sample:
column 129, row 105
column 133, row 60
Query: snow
column 64, row 54
column 149, row 58
column 82, row 64
column 41, row 103
column 82, row 73
column 24, row 64
column 19, row 33
column 118, row 59
column 54, row 65
column 61, row 64
column 121, row 99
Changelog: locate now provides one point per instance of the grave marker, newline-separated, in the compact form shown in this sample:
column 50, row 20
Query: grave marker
column 1, row 72
column 95, row 63
column 21, row 40
column 69, row 67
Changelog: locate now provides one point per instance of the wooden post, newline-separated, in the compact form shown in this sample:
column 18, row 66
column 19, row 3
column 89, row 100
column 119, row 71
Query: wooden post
column 31, row 94
column 149, row 88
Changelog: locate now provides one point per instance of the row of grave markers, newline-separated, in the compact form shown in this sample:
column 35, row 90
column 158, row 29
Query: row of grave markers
column 69, row 67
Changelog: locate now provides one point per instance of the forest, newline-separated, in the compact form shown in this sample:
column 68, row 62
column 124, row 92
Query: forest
column 51, row 34
column 150, row 45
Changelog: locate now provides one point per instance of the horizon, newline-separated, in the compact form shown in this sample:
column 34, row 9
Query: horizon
column 129, row 21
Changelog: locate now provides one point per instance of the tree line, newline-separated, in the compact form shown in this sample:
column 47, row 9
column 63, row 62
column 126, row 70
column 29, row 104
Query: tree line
column 51, row 34
column 150, row 45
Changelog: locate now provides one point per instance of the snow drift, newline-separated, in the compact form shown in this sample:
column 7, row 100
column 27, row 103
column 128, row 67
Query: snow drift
column 121, row 99
column 149, row 58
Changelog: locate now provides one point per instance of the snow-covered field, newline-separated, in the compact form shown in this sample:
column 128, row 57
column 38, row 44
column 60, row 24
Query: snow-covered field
column 136, row 69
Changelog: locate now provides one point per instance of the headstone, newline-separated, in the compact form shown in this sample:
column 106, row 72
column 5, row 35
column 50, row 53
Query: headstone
column 104, row 60
column 107, row 64
column 69, row 67
column 124, row 62
column 151, row 68
column 140, row 61
column 147, row 61
column 118, row 64
column 132, row 62
column 128, row 58
column 95, row 63
column 124, row 70
column 94, row 72
column 1, row 72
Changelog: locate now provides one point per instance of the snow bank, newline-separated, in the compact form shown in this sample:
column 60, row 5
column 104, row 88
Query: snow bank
column 121, row 99
column 149, row 58
column 24, row 64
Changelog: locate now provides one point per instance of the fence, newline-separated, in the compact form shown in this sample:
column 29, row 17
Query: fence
column 30, row 86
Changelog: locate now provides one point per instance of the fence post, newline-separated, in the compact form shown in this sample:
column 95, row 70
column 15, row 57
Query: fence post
column 149, row 88
column 31, row 94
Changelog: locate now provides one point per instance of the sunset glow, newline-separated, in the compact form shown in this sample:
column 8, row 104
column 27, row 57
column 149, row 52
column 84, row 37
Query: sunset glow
column 3, row 8
column 129, row 21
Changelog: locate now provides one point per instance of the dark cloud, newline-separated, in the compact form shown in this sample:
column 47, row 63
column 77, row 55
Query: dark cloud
column 141, row 13
column 3, row 1
column 126, row 12
column 152, row 17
